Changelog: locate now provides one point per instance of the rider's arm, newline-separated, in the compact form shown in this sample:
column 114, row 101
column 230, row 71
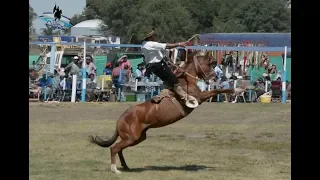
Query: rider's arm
column 170, row 46
column 163, row 46
column 69, row 65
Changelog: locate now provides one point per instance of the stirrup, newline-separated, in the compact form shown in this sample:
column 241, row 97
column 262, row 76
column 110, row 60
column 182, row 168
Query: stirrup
column 191, row 102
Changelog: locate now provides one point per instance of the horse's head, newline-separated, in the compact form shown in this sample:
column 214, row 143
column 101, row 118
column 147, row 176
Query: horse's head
column 203, row 65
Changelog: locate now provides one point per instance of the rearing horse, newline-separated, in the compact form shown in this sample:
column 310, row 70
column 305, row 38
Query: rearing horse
column 133, row 124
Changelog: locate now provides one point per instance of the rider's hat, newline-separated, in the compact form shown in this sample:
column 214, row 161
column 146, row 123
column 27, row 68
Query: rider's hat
column 149, row 34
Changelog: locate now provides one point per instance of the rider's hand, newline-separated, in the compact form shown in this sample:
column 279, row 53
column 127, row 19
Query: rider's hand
column 183, row 44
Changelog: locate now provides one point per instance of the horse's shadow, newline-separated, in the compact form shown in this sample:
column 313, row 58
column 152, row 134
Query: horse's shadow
column 168, row 168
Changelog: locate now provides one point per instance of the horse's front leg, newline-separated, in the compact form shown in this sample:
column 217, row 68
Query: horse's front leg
column 205, row 95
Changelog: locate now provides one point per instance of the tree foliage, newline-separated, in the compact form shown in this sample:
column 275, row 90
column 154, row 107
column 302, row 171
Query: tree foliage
column 177, row 20
column 48, row 31
column 32, row 17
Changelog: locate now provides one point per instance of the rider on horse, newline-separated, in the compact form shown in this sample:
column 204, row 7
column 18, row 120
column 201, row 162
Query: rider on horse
column 154, row 58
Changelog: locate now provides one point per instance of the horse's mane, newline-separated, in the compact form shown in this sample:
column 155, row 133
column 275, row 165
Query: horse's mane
column 194, row 53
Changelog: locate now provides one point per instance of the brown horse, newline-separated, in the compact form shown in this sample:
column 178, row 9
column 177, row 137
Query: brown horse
column 133, row 124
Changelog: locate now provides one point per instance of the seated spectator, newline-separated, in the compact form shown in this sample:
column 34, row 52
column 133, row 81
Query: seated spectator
column 91, row 88
column 33, row 75
column 91, row 82
column 288, row 90
column 271, row 69
column 138, row 72
column 107, row 70
column 45, row 84
column 224, row 85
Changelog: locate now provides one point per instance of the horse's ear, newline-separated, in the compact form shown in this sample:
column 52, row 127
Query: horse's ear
column 209, row 57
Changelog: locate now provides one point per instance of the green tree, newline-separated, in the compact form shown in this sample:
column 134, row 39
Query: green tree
column 253, row 16
column 177, row 20
column 202, row 13
column 48, row 31
column 32, row 17
column 264, row 16
column 124, row 18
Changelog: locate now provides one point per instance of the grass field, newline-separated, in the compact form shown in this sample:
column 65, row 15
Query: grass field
column 218, row 141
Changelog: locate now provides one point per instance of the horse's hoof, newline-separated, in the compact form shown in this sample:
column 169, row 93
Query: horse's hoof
column 114, row 169
column 91, row 139
column 126, row 168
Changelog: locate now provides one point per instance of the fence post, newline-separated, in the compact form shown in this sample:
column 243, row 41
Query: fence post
column 218, row 96
column 84, row 77
column 45, row 87
column 284, row 76
column 74, row 88
column 250, row 91
column 52, row 57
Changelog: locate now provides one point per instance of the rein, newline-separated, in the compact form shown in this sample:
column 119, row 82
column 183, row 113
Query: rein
column 196, row 64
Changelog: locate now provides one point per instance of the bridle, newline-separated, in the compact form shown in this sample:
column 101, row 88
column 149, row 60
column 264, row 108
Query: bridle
column 197, row 66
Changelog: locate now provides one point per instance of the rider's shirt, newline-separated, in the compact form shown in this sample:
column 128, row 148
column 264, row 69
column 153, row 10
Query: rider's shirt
column 153, row 51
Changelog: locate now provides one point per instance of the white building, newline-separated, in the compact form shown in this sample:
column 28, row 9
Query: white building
column 90, row 28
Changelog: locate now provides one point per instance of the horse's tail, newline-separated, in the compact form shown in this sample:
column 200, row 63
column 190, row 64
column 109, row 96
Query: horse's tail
column 97, row 140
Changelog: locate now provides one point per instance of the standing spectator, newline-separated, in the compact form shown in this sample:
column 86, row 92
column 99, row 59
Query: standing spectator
column 74, row 68
column 123, row 60
column 127, row 74
column 90, row 66
column 115, row 75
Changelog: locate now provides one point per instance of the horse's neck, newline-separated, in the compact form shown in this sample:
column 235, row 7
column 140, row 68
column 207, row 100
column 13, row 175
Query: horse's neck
column 186, row 80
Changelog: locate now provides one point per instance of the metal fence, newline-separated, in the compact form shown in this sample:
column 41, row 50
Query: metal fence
column 109, row 47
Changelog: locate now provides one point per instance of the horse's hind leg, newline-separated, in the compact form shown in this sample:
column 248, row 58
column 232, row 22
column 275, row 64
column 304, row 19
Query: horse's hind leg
column 116, row 149
column 123, row 162
column 120, row 154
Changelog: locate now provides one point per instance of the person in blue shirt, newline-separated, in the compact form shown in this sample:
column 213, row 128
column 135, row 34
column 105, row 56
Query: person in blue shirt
column 45, row 84
column 107, row 70
column 224, row 83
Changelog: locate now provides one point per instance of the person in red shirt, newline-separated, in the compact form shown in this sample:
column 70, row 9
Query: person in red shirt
column 124, row 61
column 115, row 75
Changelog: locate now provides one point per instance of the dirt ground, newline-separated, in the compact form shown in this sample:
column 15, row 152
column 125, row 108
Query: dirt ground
column 219, row 141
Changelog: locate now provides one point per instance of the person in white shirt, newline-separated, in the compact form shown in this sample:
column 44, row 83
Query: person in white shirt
column 154, row 53
column 90, row 66
column 218, row 71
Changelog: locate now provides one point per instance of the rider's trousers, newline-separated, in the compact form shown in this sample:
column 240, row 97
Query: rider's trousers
column 162, row 70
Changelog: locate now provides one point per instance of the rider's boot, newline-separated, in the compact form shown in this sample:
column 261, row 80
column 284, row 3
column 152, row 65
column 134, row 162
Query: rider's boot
column 190, row 101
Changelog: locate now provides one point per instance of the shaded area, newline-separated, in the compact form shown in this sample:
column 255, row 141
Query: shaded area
column 192, row 167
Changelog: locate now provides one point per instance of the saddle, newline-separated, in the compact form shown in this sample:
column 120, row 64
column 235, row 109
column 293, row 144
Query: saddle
column 166, row 93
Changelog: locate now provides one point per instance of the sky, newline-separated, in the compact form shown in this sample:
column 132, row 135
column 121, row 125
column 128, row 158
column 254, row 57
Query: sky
column 69, row 8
